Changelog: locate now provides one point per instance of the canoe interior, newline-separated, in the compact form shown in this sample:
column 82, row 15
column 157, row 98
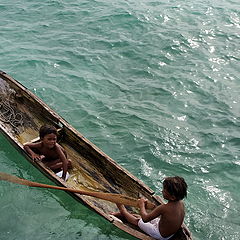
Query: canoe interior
column 21, row 116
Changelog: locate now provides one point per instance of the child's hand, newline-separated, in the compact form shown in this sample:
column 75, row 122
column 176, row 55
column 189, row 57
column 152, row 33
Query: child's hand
column 145, row 204
column 142, row 202
column 37, row 157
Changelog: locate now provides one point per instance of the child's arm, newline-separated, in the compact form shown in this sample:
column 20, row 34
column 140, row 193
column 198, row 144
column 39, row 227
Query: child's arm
column 62, row 157
column 156, row 212
column 28, row 148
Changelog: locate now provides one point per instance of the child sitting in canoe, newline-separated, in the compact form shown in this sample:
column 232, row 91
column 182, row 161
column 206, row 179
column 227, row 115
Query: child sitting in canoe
column 49, row 151
column 164, row 220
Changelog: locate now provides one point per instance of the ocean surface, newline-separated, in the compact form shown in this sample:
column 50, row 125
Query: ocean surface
column 154, row 84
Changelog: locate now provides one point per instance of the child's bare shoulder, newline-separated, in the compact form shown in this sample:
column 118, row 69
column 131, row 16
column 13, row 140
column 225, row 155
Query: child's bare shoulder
column 58, row 147
column 34, row 145
column 161, row 209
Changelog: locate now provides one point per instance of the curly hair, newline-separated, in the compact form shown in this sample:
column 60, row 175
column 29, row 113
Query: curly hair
column 47, row 129
column 176, row 186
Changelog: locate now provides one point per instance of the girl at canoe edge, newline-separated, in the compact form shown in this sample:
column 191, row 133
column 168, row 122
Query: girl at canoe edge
column 49, row 151
column 164, row 220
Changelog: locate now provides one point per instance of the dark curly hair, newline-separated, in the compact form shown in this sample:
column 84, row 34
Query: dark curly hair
column 176, row 186
column 47, row 129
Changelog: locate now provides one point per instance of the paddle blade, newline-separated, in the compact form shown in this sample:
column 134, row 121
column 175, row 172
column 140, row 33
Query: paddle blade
column 129, row 201
column 115, row 198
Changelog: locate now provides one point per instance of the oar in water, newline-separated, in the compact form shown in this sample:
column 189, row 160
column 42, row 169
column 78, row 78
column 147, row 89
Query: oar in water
column 112, row 197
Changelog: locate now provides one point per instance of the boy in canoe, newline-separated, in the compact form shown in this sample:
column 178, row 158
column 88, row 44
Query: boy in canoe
column 166, row 219
column 49, row 151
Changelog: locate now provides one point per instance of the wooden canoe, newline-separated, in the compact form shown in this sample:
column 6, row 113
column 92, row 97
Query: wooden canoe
column 22, row 114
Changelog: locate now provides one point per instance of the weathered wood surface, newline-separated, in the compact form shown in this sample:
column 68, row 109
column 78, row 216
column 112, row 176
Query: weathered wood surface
column 21, row 116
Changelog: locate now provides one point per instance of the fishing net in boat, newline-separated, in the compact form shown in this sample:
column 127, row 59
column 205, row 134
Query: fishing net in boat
column 8, row 111
column 8, row 114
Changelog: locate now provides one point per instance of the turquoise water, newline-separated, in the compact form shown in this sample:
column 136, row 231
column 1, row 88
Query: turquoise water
column 154, row 84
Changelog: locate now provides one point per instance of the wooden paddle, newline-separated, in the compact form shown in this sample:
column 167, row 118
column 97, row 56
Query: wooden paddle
column 112, row 197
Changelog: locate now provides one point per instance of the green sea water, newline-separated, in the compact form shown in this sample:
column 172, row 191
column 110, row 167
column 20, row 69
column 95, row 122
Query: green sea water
column 154, row 84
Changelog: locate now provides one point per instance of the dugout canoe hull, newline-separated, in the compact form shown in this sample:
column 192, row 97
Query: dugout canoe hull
column 22, row 114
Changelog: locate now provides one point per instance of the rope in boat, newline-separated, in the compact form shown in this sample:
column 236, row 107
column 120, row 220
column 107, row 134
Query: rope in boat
column 7, row 113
